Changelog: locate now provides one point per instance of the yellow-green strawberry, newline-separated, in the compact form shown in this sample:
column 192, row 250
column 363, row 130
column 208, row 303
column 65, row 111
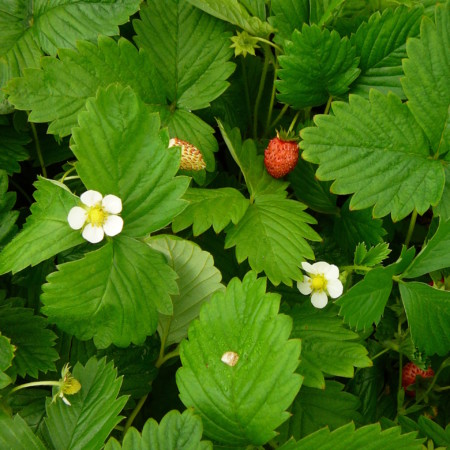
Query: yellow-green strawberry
column 191, row 157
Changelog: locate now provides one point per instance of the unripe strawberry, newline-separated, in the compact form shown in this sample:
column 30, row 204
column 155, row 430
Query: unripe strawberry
column 191, row 157
column 410, row 372
column 281, row 155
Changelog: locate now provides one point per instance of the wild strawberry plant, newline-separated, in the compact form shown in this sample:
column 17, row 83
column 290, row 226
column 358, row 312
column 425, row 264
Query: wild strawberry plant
column 160, row 289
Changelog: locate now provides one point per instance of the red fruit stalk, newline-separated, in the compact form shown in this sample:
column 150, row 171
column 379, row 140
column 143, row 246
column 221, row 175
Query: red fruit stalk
column 410, row 372
column 191, row 157
column 281, row 156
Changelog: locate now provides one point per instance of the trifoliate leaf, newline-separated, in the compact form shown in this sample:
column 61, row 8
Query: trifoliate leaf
column 12, row 149
column 426, row 84
column 381, row 45
column 125, row 135
column 46, row 231
column 353, row 227
column 272, row 236
column 175, row 432
column 376, row 140
column 428, row 313
column 211, row 207
column 34, row 342
column 16, row 434
column 288, row 16
column 29, row 31
column 94, row 411
column 240, row 345
column 233, row 12
column 317, row 64
column 373, row 256
column 316, row 408
column 369, row 437
column 257, row 179
column 434, row 255
column 112, row 294
column 7, row 217
column 327, row 346
column 197, row 280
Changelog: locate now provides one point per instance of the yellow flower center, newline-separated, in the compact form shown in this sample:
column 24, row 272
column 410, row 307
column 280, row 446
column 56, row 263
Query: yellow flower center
column 318, row 282
column 96, row 216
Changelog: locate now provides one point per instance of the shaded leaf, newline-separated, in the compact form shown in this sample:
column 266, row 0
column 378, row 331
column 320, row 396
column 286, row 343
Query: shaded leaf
column 12, row 149
column 243, row 320
column 288, row 16
column 434, row 431
column 16, row 434
column 8, row 217
column 6, row 356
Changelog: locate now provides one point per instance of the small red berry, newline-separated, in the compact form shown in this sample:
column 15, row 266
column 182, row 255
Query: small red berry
column 409, row 373
column 281, row 156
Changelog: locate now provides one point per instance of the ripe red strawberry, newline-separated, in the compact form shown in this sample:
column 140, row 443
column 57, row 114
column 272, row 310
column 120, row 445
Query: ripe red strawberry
column 409, row 373
column 281, row 155
column 191, row 157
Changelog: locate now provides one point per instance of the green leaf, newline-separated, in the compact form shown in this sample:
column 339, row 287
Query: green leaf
column 316, row 408
column 211, row 207
column 131, row 160
column 381, row 45
column 257, row 179
column 428, row 313
column 369, row 437
column 190, row 50
column 327, row 346
column 376, row 140
column 373, row 256
column 175, row 432
column 426, row 83
column 16, row 434
column 112, row 294
column 7, row 217
column 243, row 320
column 442, row 209
column 46, row 231
column 353, row 227
column 434, row 255
column 317, row 64
column 28, row 31
column 12, row 149
column 197, row 281
column 288, row 16
column 321, row 11
column 233, row 12
column 94, row 411
column 434, row 431
column 34, row 342
column 6, row 356
column 272, row 236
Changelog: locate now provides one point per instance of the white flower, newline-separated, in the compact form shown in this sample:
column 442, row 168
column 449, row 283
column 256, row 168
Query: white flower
column 322, row 282
column 97, row 216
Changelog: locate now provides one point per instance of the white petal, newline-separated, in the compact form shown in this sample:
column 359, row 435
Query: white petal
column 321, row 267
column 334, row 288
column 332, row 272
column 93, row 234
column 113, row 225
column 112, row 204
column 91, row 198
column 304, row 286
column 76, row 217
column 319, row 299
column 307, row 267
column 172, row 142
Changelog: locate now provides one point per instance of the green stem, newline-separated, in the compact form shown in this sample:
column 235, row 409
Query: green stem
column 133, row 415
column 167, row 356
column 294, row 120
column 247, row 93
column 272, row 102
column 21, row 190
column 262, row 82
column 327, row 107
column 38, row 149
column 279, row 117
column 412, row 224
column 35, row 384
column 353, row 268
column 67, row 173
column 265, row 41
column 380, row 353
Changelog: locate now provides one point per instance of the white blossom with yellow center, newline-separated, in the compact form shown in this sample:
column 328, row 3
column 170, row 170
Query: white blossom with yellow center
column 323, row 281
column 97, row 216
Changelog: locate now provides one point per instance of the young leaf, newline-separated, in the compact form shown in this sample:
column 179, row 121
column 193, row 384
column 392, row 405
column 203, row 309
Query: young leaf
column 373, row 256
column 376, row 140
column 12, row 150
column 428, row 313
column 94, row 411
column 327, row 346
column 197, row 280
column 434, row 255
column 317, row 64
column 112, row 294
column 426, row 84
column 175, row 432
column 240, row 346
column 131, row 160
column 272, row 235
column 16, row 434
column 381, row 45
column 34, row 342
column 211, row 207
column 46, row 231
